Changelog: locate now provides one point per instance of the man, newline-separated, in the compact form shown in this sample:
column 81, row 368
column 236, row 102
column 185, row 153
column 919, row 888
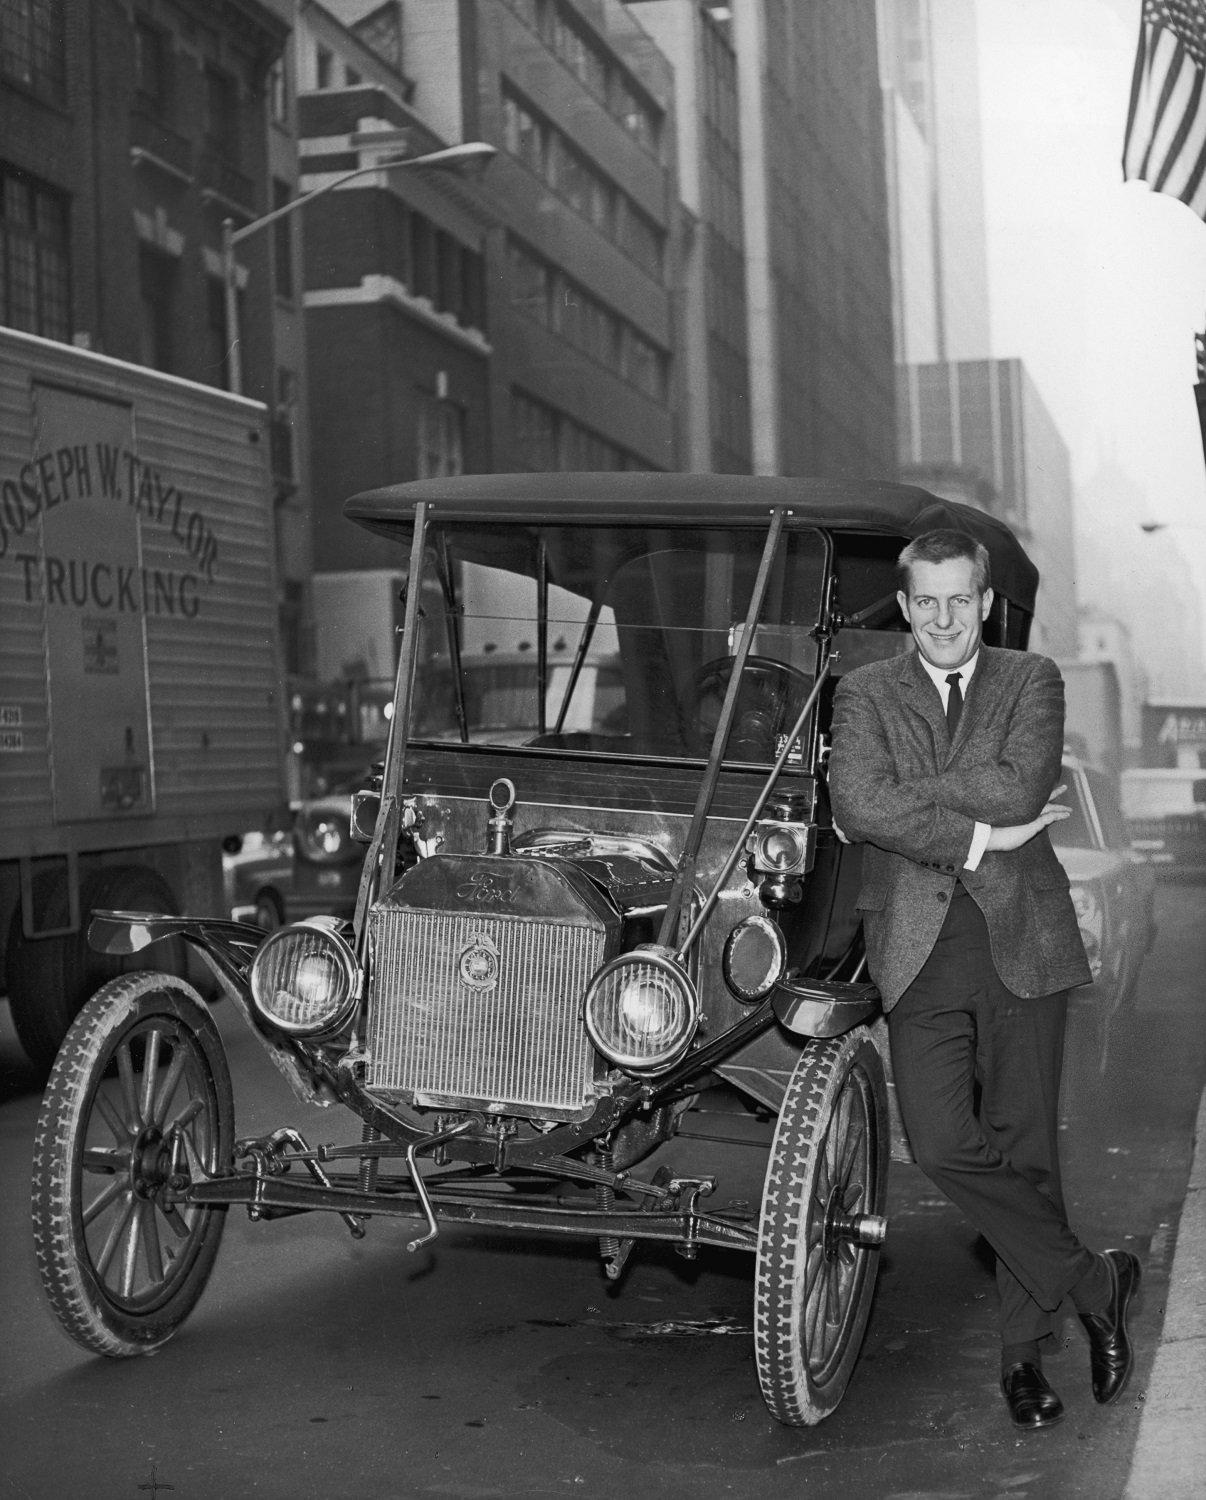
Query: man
column 944, row 765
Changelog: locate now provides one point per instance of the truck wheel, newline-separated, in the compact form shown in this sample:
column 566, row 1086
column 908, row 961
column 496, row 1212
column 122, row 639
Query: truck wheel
column 817, row 1256
column 141, row 1076
column 50, row 978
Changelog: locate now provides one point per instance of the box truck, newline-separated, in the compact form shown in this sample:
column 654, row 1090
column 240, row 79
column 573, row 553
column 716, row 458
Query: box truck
column 141, row 717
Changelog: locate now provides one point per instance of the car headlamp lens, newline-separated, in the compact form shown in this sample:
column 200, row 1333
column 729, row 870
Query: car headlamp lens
column 304, row 978
column 641, row 1010
column 324, row 836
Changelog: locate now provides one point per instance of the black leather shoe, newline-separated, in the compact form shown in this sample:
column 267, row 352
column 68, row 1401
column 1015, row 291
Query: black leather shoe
column 1031, row 1401
column 1110, row 1353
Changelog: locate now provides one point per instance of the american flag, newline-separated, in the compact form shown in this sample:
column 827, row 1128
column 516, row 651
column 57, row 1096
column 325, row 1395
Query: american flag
column 1166, row 123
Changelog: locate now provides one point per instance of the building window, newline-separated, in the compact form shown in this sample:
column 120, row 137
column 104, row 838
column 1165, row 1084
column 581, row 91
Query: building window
column 33, row 46
column 278, row 92
column 547, row 153
column 594, row 66
column 644, row 366
column 324, row 67
column 441, row 438
column 222, row 114
column 473, row 290
column 282, row 241
column 151, row 68
column 547, row 440
column 35, row 293
column 157, row 288
column 531, row 284
column 560, row 303
column 422, row 257
column 524, row 135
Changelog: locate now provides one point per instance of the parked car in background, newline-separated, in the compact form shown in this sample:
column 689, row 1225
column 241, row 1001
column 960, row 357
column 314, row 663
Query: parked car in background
column 1165, row 812
column 1112, row 889
column 312, row 870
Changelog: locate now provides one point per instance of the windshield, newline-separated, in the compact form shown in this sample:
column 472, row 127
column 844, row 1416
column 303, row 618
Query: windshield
column 612, row 640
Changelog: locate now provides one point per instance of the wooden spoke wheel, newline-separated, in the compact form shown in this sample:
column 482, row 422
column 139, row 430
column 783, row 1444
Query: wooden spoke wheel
column 139, row 1101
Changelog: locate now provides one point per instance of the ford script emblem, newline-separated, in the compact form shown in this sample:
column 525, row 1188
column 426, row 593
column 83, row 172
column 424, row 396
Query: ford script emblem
column 479, row 964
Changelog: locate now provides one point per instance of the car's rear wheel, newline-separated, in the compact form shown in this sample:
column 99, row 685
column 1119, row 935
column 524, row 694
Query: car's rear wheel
column 821, row 1223
column 138, row 1102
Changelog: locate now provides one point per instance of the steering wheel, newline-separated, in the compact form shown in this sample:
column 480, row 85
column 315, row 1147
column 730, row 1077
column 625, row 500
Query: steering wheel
column 768, row 702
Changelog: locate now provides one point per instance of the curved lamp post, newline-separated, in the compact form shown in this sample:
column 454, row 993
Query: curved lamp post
column 448, row 158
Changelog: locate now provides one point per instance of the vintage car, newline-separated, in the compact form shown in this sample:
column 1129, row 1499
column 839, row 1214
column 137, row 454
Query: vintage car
column 594, row 890
column 311, row 870
column 1113, row 890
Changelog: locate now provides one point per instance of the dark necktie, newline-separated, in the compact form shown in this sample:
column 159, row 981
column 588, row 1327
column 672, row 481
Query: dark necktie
column 954, row 703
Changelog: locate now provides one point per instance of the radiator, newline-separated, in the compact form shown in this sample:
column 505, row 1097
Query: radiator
column 473, row 1008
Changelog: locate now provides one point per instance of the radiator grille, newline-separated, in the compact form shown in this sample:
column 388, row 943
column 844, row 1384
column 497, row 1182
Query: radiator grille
column 509, row 1033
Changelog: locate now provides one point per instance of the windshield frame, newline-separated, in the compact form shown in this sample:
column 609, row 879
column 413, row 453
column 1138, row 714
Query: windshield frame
column 552, row 563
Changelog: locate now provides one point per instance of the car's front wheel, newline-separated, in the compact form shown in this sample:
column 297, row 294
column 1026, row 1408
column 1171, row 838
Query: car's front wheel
column 138, row 1103
column 821, row 1222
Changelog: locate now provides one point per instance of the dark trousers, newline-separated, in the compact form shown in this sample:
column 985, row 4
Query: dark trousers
column 956, row 1030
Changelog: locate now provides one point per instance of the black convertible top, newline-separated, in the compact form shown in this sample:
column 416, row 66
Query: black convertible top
column 654, row 499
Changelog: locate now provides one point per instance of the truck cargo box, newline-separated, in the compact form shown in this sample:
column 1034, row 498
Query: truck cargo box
column 140, row 687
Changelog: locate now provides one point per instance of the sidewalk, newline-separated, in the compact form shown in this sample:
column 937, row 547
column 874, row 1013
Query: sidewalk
column 1169, row 1462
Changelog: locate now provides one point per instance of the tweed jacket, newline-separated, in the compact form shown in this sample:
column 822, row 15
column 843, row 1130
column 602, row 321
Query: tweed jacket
column 899, row 786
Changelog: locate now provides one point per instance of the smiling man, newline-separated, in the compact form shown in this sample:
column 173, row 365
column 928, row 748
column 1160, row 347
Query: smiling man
column 943, row 766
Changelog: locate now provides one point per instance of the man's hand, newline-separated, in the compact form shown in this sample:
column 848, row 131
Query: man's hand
column 841, row 836
column 1017, row 834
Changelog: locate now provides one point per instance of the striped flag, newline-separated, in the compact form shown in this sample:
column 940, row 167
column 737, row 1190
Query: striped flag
column 1166, row 123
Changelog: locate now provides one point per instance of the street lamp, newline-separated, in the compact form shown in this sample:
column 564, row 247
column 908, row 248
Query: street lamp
column 448, row 158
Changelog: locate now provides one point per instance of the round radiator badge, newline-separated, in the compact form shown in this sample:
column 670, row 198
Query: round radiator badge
column 479, row 963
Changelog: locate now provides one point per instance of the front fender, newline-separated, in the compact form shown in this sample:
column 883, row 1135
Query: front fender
column 228, row 949
column 125, row 932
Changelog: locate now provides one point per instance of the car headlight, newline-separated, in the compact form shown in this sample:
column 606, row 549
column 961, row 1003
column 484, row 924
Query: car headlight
column 324, row 836
column 641, row 1010
column 304, row 978
column 1091, row 919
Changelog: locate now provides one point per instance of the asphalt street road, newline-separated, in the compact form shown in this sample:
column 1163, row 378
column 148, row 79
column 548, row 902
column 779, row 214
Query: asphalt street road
column 319, row 1366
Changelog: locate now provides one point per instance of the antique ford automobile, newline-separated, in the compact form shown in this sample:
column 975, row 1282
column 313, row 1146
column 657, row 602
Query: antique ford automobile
column 601, row 880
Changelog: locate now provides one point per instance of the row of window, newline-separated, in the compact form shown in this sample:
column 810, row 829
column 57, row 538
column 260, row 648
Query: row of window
column 159, row 97
column 531, row 139
column 429, row 262
column 35, row 287
column 546, row 440
column 594, row 66
column 554, row 299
